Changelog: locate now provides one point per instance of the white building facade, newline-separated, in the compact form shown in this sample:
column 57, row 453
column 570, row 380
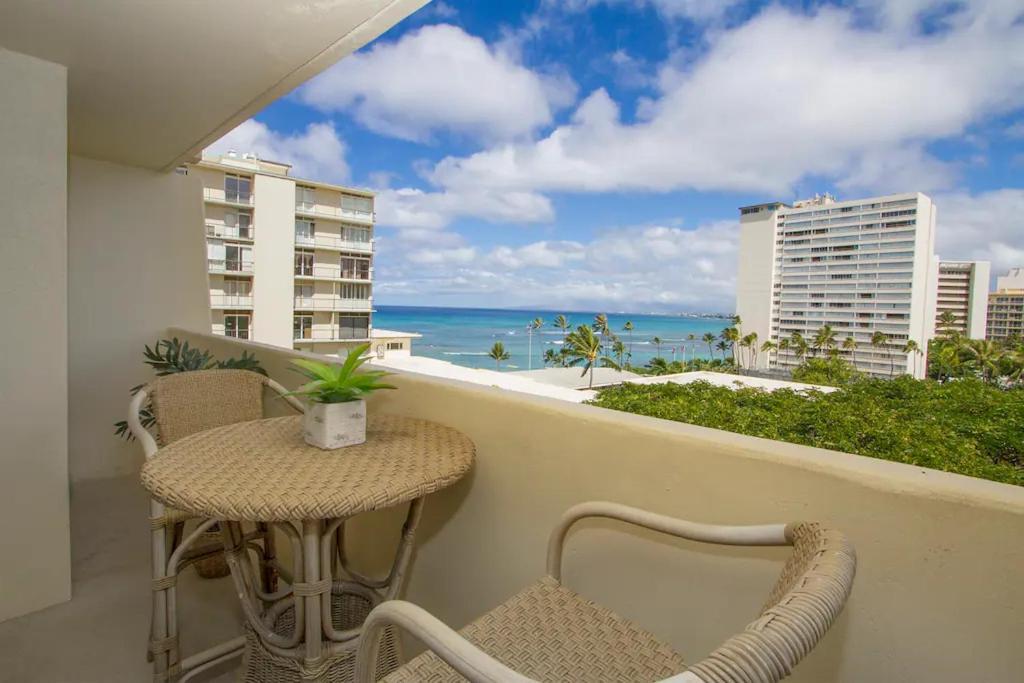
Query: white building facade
column 963, row 292
column 1006, row 307
column 290, row 260
column 861, row 266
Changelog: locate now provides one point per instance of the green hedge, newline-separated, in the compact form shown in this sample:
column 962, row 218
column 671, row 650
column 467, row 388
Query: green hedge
column 964, row 426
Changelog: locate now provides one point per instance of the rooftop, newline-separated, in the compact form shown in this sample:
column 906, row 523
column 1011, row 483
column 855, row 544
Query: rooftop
column 573, row 378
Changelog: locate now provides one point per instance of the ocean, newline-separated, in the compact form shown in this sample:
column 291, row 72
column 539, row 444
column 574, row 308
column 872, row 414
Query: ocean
column 465, row 335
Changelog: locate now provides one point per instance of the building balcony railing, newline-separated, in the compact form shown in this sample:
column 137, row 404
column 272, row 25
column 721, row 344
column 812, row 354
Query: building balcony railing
column 230, row 232
column 334, row 334
column 335, row 212
column 334, row 243
column 214, row 194
column 230, row 301
column 229, row 266
column 312, row 303
column 327, row 271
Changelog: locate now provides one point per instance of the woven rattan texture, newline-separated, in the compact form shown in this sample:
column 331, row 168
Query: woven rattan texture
column 347, row 611
column 551, row 634
column 264, row 471
column 190, row 402
column 808, row 597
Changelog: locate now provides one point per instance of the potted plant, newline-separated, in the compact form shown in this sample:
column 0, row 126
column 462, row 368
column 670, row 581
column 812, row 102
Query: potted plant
column 336, row 413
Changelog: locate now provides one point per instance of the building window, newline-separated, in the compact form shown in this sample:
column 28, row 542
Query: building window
column 304, row 231
column 237, row 325
column 351, row 233
column 237, row 286
column 238, row 224
column 353, row 327
column 348, row 290
column 237, row 188
column 302, row 327
column 305, row 197
column 361, row 207
column 303, row 262
column 303, row 291
column 355, row 268
column 395, row 346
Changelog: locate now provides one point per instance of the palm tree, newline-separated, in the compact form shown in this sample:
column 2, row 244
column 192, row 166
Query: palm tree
column 534, row 325
column 798, row 344
column 948, row 325
column 878, row 340
column 601, row 326
column 619, row 349
column 731, row 335
column 983, row 356
column 551, row 357
column 628, row 327
column 657, row 342
column 767, row 348
column 562, row 323
column 709, row 339
column 825, row 338
column 912, row 347
column 584, row 348
column 749, row 342
column 849, row 344
column 498, row 353
column 723, row 347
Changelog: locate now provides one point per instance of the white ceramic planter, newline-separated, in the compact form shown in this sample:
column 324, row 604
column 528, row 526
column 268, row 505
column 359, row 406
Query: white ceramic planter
column 335, row 425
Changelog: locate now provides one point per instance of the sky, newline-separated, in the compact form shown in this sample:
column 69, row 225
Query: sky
column 592, row 154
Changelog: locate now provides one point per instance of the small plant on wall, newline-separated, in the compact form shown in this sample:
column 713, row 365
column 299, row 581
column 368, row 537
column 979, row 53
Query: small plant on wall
column 171, row 356
column 336, row 414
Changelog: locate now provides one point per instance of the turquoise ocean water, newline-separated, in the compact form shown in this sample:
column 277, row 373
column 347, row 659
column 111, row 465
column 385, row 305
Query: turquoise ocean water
column 465, row 335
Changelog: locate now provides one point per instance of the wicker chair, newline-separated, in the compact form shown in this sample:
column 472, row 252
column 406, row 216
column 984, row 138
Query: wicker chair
column 549, row 633
column 184, row 404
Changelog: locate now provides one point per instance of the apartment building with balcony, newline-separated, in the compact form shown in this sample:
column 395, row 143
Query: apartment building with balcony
column 1006, row 307
column 290, row 260
column 861, row 266
column 963, row 292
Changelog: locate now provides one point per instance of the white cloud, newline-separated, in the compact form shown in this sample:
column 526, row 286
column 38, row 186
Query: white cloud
column 415, row 208
column 695, row 10
column 316, row 153
column 635, row 268
column 780, row 98
column 987, row 226
column 440, row 78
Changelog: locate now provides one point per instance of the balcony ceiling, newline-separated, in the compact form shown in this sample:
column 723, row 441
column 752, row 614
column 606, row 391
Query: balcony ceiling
column 151, row 83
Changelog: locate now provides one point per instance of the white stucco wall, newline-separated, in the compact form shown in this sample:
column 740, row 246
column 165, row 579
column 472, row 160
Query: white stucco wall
column 754, row 276
column 977, row 304
column 36, row 568
column 136, row 259
column 273, row 260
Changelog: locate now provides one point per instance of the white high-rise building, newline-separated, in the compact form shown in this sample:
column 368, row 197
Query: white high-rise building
column 290, row 260
column 861, row 266
column 1006, row 307
column 963, row 292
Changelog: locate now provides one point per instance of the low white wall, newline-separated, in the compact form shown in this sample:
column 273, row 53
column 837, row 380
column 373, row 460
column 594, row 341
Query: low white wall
column 938, row 595
column 35, row 567
column 136, row 259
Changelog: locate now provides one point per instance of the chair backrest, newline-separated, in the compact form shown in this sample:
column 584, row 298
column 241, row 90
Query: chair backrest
column 806, row 600
column 189, row 402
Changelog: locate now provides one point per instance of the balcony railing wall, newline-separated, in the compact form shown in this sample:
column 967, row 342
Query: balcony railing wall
column 938, row 554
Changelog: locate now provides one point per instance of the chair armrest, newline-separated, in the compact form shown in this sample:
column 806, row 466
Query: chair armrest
column 767, row 534
column 135, row 424
column 467, row 659
column 284, row 393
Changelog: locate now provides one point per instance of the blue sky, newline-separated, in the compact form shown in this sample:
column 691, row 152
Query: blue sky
column 591, row 154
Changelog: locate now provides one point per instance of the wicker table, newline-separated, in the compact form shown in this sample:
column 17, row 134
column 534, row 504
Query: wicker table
column 263, row 471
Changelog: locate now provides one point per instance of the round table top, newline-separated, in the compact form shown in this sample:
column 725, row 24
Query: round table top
column 264, row 471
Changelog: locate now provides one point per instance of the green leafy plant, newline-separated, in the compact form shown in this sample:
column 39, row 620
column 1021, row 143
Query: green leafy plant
column 171, row 356
column 339, row 383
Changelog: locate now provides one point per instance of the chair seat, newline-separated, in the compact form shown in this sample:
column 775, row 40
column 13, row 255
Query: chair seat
column 549, row 633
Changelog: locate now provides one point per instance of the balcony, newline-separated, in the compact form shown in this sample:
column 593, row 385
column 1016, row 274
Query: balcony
column 333, row 243
column 331, row 335
column 308, row 210
column 229, row 266
column 330, row 271
column 230, row 301
column 310, row 303
column 216, row 195
column 230, row 232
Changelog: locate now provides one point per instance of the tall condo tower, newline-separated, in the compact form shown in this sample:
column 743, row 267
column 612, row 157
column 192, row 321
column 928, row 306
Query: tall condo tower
column 290, row 261
column 861, row 266
column 963, row 292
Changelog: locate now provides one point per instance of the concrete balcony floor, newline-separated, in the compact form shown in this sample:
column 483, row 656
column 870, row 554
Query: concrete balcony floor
column 100, row 635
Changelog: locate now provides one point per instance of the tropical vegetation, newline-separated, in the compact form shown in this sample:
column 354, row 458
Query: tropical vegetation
column 499, row 354
column 339, row 383
column 171, row 356
column 951, row 355
column 968, row 426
